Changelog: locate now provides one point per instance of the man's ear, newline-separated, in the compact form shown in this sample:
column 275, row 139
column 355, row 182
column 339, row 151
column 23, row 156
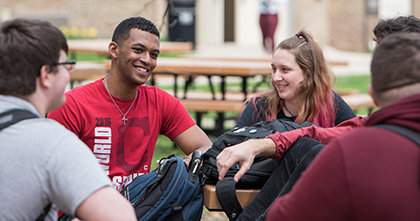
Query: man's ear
column 113, row 49
column 44, row 76
column 370, row 91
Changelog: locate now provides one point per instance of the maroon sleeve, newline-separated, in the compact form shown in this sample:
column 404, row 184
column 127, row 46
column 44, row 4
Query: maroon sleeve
column 286, row 139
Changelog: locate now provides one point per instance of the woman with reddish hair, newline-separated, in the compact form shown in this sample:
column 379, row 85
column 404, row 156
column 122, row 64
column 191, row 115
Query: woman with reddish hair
column 301, row 88
column 301, row 91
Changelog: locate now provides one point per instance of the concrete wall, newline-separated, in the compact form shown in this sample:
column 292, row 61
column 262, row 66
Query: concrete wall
column 247, row 22
column 312, row 15
column 209, row 22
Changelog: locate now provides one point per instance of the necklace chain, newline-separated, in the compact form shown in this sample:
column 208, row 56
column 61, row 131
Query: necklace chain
column 288, row 111
column 123, row 119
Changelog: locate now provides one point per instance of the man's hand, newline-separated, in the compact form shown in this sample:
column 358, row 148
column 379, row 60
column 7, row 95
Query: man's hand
column 243, row 153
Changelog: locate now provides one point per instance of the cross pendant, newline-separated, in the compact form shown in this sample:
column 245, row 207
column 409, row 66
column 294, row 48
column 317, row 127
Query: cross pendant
column 125, row 120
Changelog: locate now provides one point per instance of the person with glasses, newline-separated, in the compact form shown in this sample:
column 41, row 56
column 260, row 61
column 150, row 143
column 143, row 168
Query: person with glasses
column 119, row 117
column 69, row 65
column 43, row 166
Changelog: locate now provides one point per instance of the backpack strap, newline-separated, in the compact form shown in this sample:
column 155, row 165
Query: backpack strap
column 410, row 134
column 407, row 133
column 11, row 117
column 226, row 194
column 177, row 212
column 44, row 213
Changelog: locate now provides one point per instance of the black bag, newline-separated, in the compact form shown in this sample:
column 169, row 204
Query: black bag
column 11, row 117
column 171, row 192
column 257, row 174
column 412, row 135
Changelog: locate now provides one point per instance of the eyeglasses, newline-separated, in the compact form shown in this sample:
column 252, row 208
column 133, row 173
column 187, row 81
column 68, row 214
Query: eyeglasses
column 69, row 65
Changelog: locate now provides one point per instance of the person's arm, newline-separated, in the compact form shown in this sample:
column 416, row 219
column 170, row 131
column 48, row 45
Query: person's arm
column 243, row 153
column 192, row 139
column 105, row 204
column 286, row 139
column 275, row 145
column 178, row 126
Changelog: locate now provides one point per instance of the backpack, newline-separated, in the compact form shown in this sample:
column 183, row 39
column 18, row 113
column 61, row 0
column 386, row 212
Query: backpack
column 258, row 173
column 11, row 117
column 172, row 191
column 412, row 135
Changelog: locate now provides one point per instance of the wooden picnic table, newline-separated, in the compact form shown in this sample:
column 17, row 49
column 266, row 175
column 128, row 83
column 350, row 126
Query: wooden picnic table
column 211, row 202
column 100, row 46
column 198, row 67
column 262, row 58
column 209, row 68
column 87, row 71
column 357, row 101
column 192, row 68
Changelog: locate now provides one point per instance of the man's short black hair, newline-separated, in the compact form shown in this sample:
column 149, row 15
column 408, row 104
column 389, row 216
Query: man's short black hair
column 396, row 62
column 405, row 24
column 122, row 31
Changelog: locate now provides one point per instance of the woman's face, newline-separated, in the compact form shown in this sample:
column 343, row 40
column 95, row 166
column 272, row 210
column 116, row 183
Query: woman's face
column 286, row 74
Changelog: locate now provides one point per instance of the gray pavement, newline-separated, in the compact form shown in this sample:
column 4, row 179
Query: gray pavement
column 358, row 63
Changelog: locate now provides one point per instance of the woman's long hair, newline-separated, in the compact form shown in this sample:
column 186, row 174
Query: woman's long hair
column 315, row 103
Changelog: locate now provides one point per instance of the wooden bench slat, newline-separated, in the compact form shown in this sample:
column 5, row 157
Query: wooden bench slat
column 245, row 196
column 203, row 105
column 88, row 71
column 267, row 59
column 357, row 101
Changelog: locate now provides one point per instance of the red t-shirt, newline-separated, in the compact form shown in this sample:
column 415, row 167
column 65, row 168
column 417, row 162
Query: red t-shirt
column 124, row 151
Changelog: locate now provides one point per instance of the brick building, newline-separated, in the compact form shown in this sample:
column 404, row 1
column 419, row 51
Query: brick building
column 104, row 15
column 342, row 24
column 352, row 22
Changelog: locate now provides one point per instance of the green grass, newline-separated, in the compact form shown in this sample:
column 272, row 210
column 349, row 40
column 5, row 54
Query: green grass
column 91, row 57
column 165, row 147
column 359, row 83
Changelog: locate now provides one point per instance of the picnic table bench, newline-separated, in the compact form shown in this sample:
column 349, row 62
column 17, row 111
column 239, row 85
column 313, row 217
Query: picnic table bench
column 358, row 101
column 211, row 202
column 87, row 71
column 202, row 106
column 266, row 58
